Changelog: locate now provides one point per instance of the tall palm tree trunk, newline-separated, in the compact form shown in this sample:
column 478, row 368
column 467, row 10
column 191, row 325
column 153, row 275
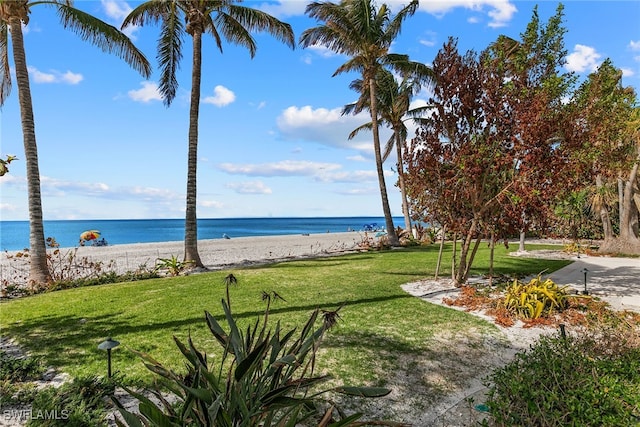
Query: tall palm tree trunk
column 191, row 221
column 391, row 231
column 38, row 271
column 607, row 229
column 626, row 224
column 403, row 191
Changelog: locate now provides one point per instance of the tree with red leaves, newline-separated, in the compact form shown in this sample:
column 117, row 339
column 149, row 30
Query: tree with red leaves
column 490, row 156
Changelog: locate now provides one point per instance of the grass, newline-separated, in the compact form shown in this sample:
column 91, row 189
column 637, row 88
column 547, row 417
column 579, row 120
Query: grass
column 379, row 324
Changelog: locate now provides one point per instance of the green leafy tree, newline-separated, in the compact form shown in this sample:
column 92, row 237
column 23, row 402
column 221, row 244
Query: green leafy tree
column 223, row 20
column 608, row 120
column 532, row 71
column 13, row 15
column 363, row 32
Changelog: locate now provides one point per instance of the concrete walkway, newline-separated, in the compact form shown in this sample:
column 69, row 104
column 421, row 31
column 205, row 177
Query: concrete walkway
column 614, row 280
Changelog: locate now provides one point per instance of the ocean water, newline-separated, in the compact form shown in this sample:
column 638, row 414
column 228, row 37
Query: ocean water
column 14, row 235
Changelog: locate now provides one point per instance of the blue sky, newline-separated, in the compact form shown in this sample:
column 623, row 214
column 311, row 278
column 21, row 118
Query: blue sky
column 272, row 139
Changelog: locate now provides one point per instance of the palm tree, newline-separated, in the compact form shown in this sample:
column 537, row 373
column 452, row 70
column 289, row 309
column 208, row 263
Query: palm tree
column 394, row 100
column 13, row 14
column 364, row 32
column 221, row 19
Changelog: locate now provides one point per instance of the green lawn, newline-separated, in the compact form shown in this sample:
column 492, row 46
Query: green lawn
column 379, row 322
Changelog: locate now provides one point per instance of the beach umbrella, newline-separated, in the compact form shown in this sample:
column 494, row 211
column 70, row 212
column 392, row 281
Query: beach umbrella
column 90, row 235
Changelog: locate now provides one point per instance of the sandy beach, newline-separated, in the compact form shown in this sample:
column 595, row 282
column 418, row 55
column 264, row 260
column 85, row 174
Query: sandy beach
column 214, row 253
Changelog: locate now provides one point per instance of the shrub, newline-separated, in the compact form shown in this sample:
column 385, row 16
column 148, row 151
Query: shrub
column 172, row 265
column 19, row 369
column 16, row 374
column 580, row 380
column 535, row 299
column 68, row 270
column 82, row 402
column 264, row 378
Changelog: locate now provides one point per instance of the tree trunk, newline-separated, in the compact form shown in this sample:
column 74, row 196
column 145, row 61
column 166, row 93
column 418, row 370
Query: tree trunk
column 440, row 251
column 191, row 254
column 492, row 249
column 453, row 256
column 471, row 258
column 38, row 270
column 629, row 241
column 621, row 203
column 523, row 234
column 403, row 192
column 607, row 229
column 465, row 261
column 626, row 226
column 391, row 230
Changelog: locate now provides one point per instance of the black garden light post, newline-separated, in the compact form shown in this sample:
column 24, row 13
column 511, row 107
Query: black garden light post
column 108, row 344
column 585, row 292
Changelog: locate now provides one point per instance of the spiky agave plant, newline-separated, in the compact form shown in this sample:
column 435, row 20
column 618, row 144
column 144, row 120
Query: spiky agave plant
column 265, row 378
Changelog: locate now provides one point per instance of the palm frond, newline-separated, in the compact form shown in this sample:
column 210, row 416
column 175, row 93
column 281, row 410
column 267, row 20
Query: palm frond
column 5, row 74
column 394, row 26
column 234, row 32
column 169, row 54
column 149, row 12
column 388, row 147
column 210, row 28
column 335, row 36
column 367, row 126
column 257, row 20
column 105, row 36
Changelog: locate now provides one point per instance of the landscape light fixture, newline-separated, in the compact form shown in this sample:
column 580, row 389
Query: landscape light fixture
column 585, row 271
column 108, row 344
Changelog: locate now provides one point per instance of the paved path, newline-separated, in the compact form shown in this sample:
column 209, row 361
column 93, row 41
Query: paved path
column 615, row 280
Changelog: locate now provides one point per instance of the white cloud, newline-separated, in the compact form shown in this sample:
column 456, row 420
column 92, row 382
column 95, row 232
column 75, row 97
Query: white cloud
column 500, row 11
column 634, row 45
column 429, row 39
column 357, row 158
column 583, row 58
column 368, row 191
column 54, row 76
column 321, row 172
column 249, row 187
column 222, row 96
column 211, row 204
column 321, row 125
column 149, row 92
column 116, row 11
column 8, row 207
column 63, row 188
column 627, row 72
column 53, row 186
column 351, row 177
column 322, row 51
column 284, row 8
column 282, row 168
column 71, row 78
